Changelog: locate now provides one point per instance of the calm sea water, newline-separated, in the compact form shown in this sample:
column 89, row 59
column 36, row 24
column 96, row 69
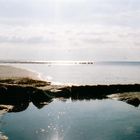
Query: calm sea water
column 88, row 74
column 78, row 120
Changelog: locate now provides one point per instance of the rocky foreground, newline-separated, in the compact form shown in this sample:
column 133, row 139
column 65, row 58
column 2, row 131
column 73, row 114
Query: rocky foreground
column 17, row 93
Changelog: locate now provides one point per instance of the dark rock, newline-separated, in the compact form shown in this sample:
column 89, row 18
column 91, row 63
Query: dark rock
column 133, row 101
column 3, row 89
column 20, row 92
column 132, row 98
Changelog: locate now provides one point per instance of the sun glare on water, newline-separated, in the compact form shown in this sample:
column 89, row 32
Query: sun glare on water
column 56, row 137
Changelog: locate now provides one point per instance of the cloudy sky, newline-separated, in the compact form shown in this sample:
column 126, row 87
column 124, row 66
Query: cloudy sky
column 70, row 29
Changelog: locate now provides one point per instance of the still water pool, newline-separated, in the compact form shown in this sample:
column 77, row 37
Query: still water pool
column 74, row 120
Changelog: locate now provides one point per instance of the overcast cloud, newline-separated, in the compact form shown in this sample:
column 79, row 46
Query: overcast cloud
column 70, row 29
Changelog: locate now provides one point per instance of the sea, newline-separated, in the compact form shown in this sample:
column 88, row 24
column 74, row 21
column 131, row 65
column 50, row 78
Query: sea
column 67, row 119
column 83, row 72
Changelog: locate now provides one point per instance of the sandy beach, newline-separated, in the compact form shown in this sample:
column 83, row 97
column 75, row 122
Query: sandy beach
column 14, row 72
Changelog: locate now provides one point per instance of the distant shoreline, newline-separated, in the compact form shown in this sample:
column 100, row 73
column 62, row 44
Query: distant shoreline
column 62, row 62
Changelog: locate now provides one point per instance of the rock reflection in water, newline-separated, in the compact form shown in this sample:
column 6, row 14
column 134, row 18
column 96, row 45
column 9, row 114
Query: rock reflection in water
column 18, row 107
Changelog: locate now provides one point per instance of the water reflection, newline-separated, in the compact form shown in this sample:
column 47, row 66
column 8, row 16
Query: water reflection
column 21, row 106
column 65, row 119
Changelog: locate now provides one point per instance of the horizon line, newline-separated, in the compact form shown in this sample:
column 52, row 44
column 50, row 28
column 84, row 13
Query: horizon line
column 64, row 61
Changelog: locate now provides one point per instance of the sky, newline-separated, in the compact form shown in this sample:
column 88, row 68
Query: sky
column 70, row 30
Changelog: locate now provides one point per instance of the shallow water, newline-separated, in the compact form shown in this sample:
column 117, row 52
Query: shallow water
column 75, row 120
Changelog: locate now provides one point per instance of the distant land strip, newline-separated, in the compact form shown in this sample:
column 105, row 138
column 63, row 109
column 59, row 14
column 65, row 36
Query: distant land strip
column 67, row 62
column 45, row 62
